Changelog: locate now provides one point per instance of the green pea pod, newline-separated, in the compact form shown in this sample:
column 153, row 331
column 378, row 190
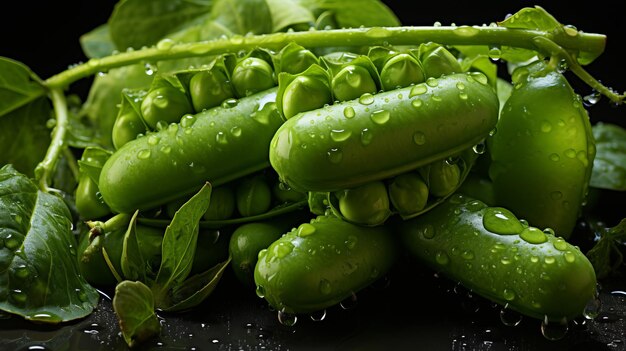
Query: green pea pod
column 216, row 145
column 294, row 59
column 304, row 91
column 320, row 263
column 493, row 254
column 437, row 60
column 89, row 202
column 375, row 137
column 129, row 122
column 543, row 151
column 165, row 102
column 207, row 87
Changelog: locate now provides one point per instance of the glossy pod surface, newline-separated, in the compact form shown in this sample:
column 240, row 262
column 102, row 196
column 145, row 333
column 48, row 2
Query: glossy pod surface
column 321, row 263
column 381, row 135
column 216, row 145
column 492, row 253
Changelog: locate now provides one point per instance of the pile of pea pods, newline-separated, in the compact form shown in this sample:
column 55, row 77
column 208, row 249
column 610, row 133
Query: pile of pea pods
column 326, row 170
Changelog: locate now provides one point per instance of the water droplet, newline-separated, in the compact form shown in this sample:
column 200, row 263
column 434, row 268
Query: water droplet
column 153, row 139
column 555, row 157
column 533, row 235
column 150, row 69
column 18, row 296
column 377, row 32
column 334, row 155
column 143, row 154
column 417, row 103
column 571, row 153
column 165, row 44
column 366, row 99
column 380, row 116
column 501, row 221
column 418, row 90
column 351, row 242
column 466, row 31
column 509, row 317
column 479, row 77
column 554, row 330
column 570, row 30
column 546, row 127
column 427, row 231
column 230, row 103
column 287, row 319
column 318, row 316
column 349, row 302
column 325, row 287
column 468, row 255
column 349, row 112
column 305, row 229
column 592, row 308
column 493, row 132
column 549, row 260
column 260, row 291
column 462, row 96
column 432, row 82
column 592, row 99
column 187, row 121
column 235, row 131
column 560, row 244
column 418, row 137
column 442, row 258
column 22, row 272
column 220, row 138
column 166, row 149
column 282, row 249
column 340, row 135
column 494, row 53
column 479, row 148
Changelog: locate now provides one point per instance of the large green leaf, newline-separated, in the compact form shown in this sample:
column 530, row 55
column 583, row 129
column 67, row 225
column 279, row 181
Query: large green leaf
column 97, row 43
column 39, row 276
column 355, row 13
column 138, row 23
column 19, row 86
column 24, row 136
column 609, row 165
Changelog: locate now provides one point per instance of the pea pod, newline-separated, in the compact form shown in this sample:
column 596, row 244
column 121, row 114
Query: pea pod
column 320, row 263
column 497, row 256
column 374, row 137
column 543, row 151
column 218, row 145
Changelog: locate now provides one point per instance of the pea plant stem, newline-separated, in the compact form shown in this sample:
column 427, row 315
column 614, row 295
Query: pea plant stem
column 548, row 44
column 45, row 168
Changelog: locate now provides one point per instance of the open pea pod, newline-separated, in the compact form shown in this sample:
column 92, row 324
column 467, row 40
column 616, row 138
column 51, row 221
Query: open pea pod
column 304, row 91
column 407, row 195
column 397, row 69
column 129, row 121
column 294, row 59
column 255, row 197
column 166, row 102
column 349, row 80
column 207, row 87
column 251, row 73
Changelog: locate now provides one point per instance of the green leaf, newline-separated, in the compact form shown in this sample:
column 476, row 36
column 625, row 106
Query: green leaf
column 39, row 276
column 136, row 23
column 196, row 289
column 179, row 245
column 531, row 18
column 355, row 13
column 609, row 165
column 19, row 86
column 606, row 255
column 24, row 136
column 105, row 96
column 97, row 43
column 287, row 13
column 132, row 262
column 133, row 304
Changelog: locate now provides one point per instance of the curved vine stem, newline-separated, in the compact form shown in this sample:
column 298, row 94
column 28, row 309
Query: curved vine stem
column 407, row 35
column 45, row 168
column 559, row 52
